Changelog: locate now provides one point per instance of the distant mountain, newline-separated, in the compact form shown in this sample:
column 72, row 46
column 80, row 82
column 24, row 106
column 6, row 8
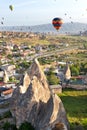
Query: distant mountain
column 72, row 28
column 84, row 33
column 69, row 28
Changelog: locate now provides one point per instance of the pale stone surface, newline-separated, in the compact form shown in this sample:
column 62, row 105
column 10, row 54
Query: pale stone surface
column 34, row 102
column 25, row 82
column 67, row 72
column 5, row 77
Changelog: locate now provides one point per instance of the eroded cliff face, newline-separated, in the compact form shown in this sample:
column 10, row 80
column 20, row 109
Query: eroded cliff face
column 34, row 102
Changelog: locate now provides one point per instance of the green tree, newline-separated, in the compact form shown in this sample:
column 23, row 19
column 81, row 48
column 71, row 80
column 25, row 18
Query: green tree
column 52, row 79
column 83, row 68
column 85, row 45
column 26, row 126
column 9, row 56
column 8, row 126
column 74, row 71
column 25, row 64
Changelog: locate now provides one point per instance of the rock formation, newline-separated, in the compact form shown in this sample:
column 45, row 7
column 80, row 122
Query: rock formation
column 67, row 72
column 5, row 77
column 34, row 102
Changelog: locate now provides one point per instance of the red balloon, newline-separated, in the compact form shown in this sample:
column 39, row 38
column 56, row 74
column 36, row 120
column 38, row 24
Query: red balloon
column 57, row 23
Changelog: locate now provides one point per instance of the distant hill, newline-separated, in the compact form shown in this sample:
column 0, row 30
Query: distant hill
column 72, row 28
column 68, row 28
column 84, row 33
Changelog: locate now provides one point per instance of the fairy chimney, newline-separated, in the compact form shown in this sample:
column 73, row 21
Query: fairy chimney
column 67, row 72
column 34, row 102
column 5, row 77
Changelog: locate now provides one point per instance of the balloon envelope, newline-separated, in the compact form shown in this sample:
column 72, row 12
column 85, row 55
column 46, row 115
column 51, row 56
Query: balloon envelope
column 57, row 23
column 1, row 22
column 11, row 7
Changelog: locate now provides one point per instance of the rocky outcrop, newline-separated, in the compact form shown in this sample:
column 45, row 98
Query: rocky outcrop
column 34, row 102
column 5, row 77
column 67, row 72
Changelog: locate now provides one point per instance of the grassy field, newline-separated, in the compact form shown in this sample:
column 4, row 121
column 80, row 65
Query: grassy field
column 75, row 103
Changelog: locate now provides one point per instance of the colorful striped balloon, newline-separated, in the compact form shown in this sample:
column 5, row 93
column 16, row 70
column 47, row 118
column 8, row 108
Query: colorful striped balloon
column 57, row 23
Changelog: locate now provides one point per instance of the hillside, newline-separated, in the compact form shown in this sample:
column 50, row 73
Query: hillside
column 67, row 28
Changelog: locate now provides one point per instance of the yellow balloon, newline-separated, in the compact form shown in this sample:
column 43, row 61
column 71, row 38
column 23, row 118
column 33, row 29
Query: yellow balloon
column 11, row 7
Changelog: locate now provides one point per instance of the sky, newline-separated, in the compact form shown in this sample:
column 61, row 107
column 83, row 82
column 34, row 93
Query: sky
column 36, row 12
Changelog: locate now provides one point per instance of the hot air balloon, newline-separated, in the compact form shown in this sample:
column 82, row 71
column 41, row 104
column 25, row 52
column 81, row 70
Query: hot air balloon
column 1, row 22
column 65, row 14
column 2, row 18
column 57, row 23
column 11, row 7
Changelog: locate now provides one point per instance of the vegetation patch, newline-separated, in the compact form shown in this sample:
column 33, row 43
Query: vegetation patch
column 24, row 126
column 75, row 103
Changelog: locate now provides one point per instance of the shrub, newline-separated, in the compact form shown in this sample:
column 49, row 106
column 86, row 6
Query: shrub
column 74, row 71
column 52, row 79
column 26, row 126
column 6, row 126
